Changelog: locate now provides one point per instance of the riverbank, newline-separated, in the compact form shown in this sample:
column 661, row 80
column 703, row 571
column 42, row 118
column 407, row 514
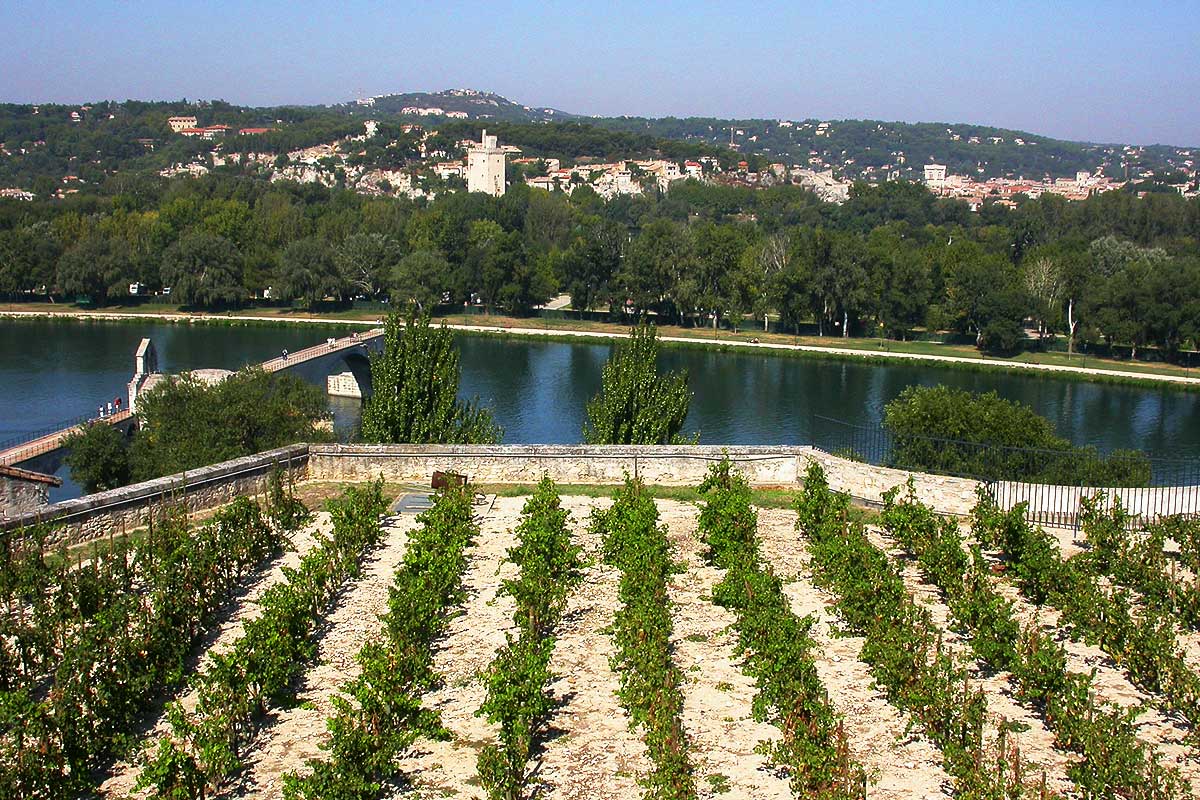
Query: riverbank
column 854, row 349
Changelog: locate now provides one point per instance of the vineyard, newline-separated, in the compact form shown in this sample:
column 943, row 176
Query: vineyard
column 625, row 646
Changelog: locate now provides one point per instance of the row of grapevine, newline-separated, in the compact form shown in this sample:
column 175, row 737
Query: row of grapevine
column 49, row 598
column 1144, row 642
column 1113, row 760
column 123, row 625
column 260, row 670
column 776, row 646
column 903, row 647
column 1139, row 560
column 635, row 544
column 518, row 679
column 379, row 714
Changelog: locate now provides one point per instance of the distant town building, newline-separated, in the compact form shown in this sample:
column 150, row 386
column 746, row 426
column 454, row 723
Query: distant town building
column 178, row 124
column 485, row 167
column 17, row 194
column 253, row 131
column 935, row 174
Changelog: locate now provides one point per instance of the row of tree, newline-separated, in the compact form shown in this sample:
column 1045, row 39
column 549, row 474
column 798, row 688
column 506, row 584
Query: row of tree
column 893, row 259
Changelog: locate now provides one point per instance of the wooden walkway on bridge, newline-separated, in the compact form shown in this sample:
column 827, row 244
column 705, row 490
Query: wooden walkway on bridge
column 321, row 350
column 51, row 441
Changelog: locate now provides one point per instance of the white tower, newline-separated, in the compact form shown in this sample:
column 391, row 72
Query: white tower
column 485, row 167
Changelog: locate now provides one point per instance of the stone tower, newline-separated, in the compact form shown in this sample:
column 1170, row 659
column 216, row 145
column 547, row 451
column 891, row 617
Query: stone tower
column 485, row 167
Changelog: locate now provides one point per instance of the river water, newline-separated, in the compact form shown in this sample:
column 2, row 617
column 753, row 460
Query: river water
column 54, row 370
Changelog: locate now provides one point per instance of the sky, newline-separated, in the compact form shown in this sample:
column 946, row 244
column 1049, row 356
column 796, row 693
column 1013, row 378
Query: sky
column 1092, row 71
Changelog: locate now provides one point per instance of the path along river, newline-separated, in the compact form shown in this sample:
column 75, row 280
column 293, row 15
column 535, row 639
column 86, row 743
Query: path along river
column 53, row 370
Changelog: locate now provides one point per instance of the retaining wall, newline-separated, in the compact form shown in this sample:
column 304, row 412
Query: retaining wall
column 95, row 515
column 664, row 465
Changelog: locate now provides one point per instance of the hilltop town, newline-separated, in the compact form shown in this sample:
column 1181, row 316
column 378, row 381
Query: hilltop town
column 418, row 145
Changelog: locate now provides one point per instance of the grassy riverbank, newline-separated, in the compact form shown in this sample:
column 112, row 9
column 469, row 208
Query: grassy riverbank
column 1077, row 367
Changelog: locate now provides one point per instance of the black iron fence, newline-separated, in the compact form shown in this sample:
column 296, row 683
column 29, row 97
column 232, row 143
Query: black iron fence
column 1050, row 482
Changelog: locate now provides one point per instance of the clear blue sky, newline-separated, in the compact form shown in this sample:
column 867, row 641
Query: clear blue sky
column 1099, row 71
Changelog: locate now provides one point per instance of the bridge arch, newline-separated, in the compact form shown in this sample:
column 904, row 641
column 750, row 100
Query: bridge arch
column 359, row 364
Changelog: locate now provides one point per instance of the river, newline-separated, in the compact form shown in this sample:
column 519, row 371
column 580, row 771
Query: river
column 53, row 370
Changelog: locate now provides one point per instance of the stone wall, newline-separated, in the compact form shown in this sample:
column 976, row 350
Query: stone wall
column 867, row 483
column 668, row 466
column 19, row 496
column 95, row 515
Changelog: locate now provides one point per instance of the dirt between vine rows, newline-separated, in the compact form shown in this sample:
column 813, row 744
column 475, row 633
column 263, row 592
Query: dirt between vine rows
column 440, row 769
column 592, row 754
column 124, row 774
column 1036, row 741
column 900, row 763
column 717, row 695
column 294, row 735
column 1111, row 685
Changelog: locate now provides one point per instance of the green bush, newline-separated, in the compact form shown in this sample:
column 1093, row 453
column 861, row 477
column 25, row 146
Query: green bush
column 957, row 432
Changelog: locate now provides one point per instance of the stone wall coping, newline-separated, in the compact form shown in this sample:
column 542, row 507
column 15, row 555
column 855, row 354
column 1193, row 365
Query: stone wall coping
column 167, row 486
column 690, row 451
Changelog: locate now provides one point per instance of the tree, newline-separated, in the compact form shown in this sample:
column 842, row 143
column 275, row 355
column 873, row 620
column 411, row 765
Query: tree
column 185, row 423
column 95, row 267
column 307, row 272
column 531, row 283
column 986, row 298
column 900, row 285
column 414, row 390
column 636, row 404
column 204, row 270
column 591, row 262
column 956, row 432
column 420, row 279
column 365, row 261
column 98, row 457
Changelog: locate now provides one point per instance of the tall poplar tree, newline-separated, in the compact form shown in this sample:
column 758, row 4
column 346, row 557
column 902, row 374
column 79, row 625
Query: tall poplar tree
column 414, row 390
column 637, row 405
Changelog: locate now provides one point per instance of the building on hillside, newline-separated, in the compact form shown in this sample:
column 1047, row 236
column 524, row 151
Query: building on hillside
column 935, row 175
column 485, row 167
column 178, row 124
column 253, row 131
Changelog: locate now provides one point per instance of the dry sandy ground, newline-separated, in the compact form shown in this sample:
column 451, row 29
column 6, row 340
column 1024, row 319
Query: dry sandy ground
column 717, row 695
column 294, row 735
column 899, row 763
column 441, row 769
column 591, row 752
column 1036, row 742
column 1111, row 685
column 124, row 774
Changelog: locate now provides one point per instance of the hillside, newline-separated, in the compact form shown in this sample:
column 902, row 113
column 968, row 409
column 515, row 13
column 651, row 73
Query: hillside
column 475, row 104
column 867, row 149
column 879, row 150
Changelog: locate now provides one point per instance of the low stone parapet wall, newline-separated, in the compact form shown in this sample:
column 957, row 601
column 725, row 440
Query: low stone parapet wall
column 99, row 514
column 96, row 515
column 683, row 465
